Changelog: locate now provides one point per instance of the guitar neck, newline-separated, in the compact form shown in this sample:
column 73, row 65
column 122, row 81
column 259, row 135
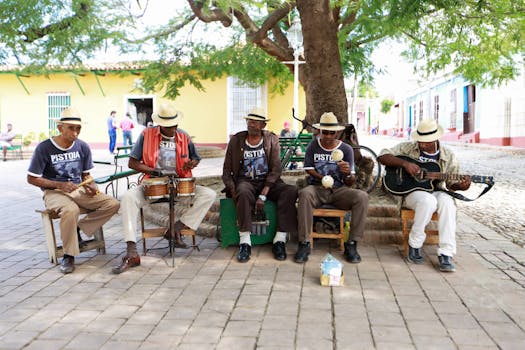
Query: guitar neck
column 458, row 177
column 443, row 176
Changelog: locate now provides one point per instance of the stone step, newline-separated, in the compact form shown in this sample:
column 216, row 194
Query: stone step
column 210, row 151
column 383, row 220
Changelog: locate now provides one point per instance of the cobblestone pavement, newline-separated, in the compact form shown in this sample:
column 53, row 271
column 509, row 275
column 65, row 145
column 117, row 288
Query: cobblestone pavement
column 209, row 301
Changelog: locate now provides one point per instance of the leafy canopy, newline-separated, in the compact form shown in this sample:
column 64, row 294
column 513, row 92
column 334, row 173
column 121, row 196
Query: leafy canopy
column 481, row 39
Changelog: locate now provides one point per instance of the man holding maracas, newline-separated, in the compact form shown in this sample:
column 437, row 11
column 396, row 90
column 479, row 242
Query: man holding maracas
column 330, row 164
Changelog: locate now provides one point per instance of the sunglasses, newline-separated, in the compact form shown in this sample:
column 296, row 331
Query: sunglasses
column 328, row 132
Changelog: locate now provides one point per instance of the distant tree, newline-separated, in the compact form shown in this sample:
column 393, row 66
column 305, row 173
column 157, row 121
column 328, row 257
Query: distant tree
column 482, row 40
column 386, row 105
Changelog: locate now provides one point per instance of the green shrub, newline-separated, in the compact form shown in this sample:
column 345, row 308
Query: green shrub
column 28, row 139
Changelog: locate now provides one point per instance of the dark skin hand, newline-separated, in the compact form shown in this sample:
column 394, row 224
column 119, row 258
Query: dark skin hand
column 330, row 140
column 255, row 129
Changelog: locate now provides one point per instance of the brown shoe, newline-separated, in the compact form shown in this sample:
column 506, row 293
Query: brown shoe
column 127, row 262
column 178, row 242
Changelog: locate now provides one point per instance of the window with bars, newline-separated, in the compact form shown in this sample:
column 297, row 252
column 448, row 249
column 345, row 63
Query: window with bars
column 241, row 99
column 56, row 102
column 420, row 110
column 436, row 107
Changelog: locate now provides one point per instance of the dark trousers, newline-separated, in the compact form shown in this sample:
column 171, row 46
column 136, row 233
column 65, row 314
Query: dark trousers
column 343, row 198
column 282, row 194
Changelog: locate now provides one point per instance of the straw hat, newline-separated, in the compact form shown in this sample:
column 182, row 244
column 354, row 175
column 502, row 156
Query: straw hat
column 329, row 122
column 70, row 115
column 167, row 115
column 428, row 130
column 257, row 114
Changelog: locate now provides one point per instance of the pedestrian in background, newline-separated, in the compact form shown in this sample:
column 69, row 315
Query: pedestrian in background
column 126, row 125
column 6, row 138
column 112, row 131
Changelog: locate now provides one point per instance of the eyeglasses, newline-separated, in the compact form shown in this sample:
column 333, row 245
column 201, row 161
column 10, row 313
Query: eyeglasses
column 328, row 132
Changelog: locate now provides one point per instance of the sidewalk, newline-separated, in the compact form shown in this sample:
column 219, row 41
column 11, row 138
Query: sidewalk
column 209, row 301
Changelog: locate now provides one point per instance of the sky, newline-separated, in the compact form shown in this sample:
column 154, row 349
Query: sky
column 397, row 79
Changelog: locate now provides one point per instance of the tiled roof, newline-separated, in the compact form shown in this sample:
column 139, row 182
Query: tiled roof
column 119, row 66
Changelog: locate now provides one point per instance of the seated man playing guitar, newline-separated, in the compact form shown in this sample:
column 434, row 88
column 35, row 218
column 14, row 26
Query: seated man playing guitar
column 425, row 200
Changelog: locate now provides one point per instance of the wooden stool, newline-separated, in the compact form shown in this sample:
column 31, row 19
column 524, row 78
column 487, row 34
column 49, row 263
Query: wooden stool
column 55, row 252
column 408, row 215
column 330, row 213
column 159, row 232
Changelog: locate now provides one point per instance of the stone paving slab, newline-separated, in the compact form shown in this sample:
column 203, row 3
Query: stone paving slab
column 209, row 301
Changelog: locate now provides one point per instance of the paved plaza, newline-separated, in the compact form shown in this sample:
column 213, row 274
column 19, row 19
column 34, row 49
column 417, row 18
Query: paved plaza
column 208, row 300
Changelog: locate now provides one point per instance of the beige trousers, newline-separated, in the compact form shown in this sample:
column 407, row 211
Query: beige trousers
column 68, row 205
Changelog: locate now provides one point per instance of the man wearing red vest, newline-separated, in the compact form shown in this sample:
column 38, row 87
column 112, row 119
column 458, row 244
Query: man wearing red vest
column 159, row 150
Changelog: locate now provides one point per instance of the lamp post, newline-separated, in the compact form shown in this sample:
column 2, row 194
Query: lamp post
column 295, row 38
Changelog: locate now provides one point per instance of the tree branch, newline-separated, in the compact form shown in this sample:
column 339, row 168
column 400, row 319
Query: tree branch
column 166, row 31
column 215, row 15
column 82, row 11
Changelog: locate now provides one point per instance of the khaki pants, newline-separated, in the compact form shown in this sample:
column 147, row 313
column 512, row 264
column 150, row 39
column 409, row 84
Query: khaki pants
column 68, row 206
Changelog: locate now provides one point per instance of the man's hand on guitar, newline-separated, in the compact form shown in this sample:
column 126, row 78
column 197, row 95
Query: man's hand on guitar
column 462, row 185
column 412, row 168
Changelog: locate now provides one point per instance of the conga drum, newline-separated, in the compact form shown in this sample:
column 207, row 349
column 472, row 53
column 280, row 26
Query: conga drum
column 155, row 188
column 186, row 187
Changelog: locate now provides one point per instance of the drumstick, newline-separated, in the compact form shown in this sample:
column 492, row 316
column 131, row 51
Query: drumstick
column 85, row 182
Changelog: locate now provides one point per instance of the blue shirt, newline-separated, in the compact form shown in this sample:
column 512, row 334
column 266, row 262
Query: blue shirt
column 52, row 162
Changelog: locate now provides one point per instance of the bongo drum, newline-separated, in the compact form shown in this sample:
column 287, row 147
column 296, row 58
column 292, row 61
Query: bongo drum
column 155, row 188
column 186, row 187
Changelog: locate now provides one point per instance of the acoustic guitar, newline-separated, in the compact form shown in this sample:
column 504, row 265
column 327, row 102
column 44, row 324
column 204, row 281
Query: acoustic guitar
column 399, row 182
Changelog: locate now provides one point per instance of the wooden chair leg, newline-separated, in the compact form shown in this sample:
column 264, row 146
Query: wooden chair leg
column 142, row 230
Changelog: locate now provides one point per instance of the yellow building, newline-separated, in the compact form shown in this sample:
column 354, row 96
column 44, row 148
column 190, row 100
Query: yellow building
column 32, row 103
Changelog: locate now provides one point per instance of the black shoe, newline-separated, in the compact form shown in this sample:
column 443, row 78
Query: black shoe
column 351, row 254
column 279, row 250
column 303, row 250
column 446, row 264
column 245, row 250
column 68, row 264
column 81, row 242
column 414, row 255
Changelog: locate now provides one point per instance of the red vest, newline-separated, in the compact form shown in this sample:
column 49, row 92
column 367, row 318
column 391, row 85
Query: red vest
column 150, row 150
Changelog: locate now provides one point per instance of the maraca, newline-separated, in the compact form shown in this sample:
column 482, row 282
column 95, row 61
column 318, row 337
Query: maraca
column 337, row 155
column 327, row 181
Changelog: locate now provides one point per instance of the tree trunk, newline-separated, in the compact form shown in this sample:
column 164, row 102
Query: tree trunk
column 322, row 75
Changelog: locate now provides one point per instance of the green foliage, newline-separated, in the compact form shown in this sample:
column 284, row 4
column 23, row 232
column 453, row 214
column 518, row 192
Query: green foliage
column 42, row 32
column 246, row 62
column 386, row 105
column 482, row 40
column 28, row 138
column 42, row 136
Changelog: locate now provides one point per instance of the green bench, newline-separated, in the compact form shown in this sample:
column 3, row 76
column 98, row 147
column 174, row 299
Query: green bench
column 16, row 147
column 297, row 145
column 111, row 180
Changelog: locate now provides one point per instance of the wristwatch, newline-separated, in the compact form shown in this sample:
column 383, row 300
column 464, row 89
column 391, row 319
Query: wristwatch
column 262, row 197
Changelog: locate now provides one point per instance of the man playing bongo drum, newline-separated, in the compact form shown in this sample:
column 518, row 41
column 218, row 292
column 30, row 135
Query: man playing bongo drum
column 161, row 150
